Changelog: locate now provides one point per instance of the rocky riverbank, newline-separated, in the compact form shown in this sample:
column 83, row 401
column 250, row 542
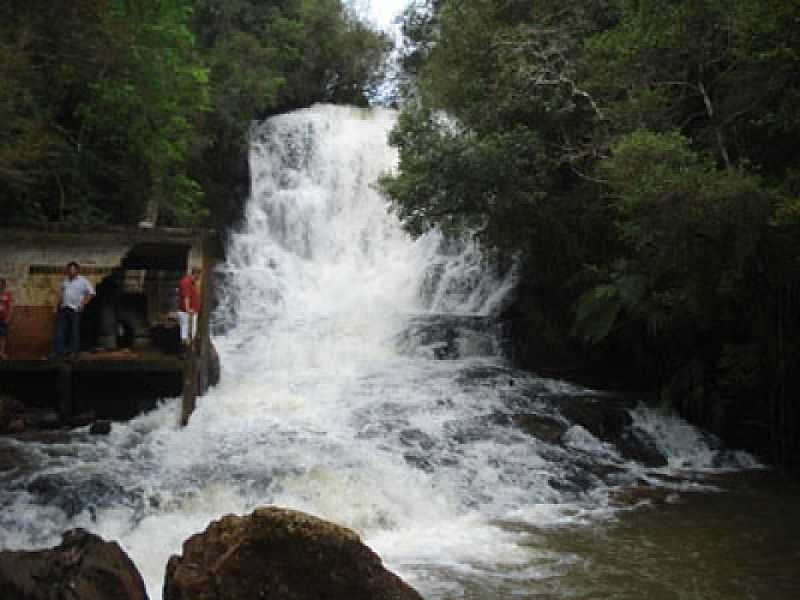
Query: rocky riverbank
column 28, row 421
column 273, row 553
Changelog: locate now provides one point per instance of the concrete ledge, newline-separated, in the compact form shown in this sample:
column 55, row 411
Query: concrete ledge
column 168, row 364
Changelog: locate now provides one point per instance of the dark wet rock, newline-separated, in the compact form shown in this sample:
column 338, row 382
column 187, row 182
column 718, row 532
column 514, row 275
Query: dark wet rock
column 727, row 457
column 214, row 366
column 605, row 418
column 57, row 436
column 447, row 337
column 16, row 426
column 210, row 368
column 46, row 488
column 467, row 433
column 422, row 463
column 503, row 419
column 574, row 484
column 642, row 492
column 82, row 567
column 638, row 445
column 476, row 429
column 75, row 496
column 100, row 427
column 486, row 373
column 602, row 470
column 544, row 428
column 10, row 411
column 82, row 420
column 10, row 458
column 416, row 437
column 280, row 554
column 608, row 419
column 46, row 420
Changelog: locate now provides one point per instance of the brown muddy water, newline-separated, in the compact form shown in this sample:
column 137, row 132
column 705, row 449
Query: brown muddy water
column 740, row 543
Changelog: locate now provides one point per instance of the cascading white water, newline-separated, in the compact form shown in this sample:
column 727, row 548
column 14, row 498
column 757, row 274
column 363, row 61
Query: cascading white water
column 332, row 399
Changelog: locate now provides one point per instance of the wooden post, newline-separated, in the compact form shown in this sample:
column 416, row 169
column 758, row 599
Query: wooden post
column 189, row 378
column 203, row 321
column 197, row 352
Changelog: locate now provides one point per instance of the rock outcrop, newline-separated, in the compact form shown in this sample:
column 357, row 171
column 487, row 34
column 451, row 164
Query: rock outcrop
column 277, row 554
column 82, row 567
column 544, row 428
column 607, row 418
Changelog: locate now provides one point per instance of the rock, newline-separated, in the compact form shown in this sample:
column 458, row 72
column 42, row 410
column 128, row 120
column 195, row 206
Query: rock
column 608, row 419
column 10, row 409
column 631, row 496
column 74, row 496
column 10, row 458
column 82, row 420
column 213, row 365
column 605, row 418
column 100, row 427
column 422, row 463
column 573, row 484
column 636, row 444
column 82, row 567
column 416, row 437
column 546, row 429
column 48, row 420
column 277, row 554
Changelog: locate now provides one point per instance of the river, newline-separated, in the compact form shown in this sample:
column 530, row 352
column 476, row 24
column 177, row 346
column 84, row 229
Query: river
column 364, row 382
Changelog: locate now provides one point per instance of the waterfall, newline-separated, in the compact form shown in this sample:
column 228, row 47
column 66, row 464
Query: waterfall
column 322, row 258
column 362, row 382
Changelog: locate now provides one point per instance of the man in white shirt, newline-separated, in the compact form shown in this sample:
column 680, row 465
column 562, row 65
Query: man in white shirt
column 74, row 294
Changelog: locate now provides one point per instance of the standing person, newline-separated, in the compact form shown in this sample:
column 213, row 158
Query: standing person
column 73, row 296
column 6, row 310
column 188, row 308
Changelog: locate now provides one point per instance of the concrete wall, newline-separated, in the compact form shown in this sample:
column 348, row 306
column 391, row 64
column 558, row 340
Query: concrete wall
column 33, row 263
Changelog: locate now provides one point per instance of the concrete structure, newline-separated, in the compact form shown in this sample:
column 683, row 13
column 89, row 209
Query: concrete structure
column 129, row 329
column 136, row 272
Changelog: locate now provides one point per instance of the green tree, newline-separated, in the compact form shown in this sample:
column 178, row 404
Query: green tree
column 150, row 105
column 104, row 95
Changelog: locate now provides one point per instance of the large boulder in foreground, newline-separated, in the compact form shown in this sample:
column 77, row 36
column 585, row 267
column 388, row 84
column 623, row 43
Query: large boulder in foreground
column 82, row 567
column 277, row 554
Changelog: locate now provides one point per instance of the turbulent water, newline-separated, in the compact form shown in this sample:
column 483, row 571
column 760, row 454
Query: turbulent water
column 363, row 382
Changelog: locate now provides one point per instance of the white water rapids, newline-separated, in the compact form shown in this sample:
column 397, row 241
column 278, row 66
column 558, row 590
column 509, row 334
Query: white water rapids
column 362, row 382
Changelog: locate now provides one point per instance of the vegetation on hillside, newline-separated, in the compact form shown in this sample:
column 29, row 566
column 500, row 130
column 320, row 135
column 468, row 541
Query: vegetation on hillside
column 641, row 160
column 113, row 109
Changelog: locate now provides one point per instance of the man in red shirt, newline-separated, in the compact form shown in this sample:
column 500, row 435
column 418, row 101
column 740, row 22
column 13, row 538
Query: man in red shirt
column 188, row 307
column 6, row 309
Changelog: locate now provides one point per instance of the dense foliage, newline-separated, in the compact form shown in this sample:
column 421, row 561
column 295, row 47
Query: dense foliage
column 641, row 160
column 113, row 110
